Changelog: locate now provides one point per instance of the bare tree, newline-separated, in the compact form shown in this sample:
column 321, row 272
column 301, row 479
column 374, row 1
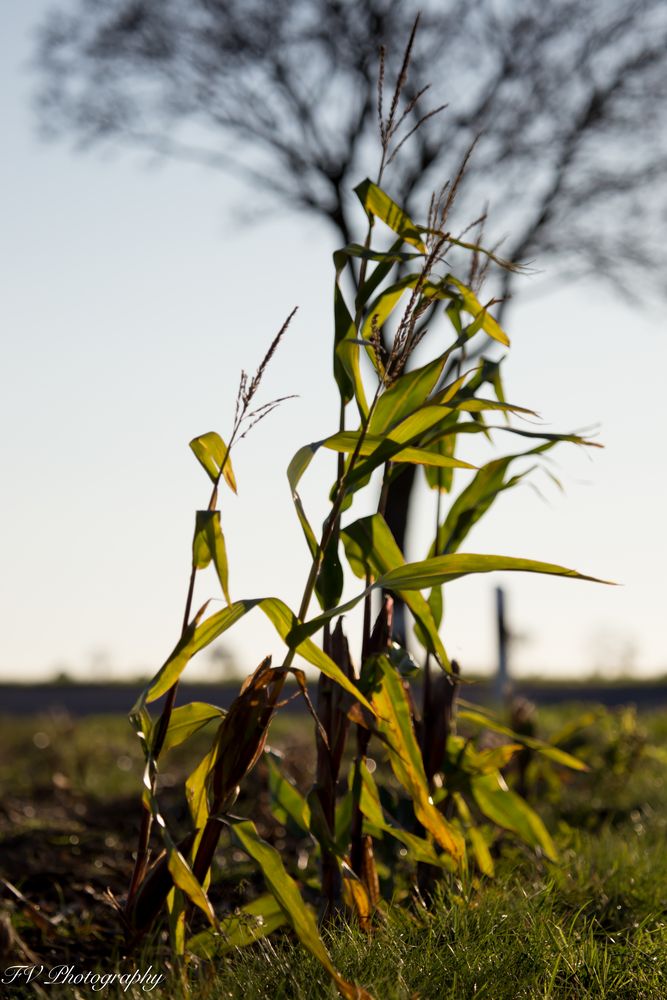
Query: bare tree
column 569, row 100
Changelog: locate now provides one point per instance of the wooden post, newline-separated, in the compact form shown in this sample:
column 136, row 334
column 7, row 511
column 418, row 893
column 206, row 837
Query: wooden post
column 503, row 683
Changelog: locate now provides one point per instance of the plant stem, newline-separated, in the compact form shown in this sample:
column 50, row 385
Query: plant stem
column 165, row 716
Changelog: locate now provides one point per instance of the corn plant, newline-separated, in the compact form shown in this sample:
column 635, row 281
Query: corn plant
column 446, row 795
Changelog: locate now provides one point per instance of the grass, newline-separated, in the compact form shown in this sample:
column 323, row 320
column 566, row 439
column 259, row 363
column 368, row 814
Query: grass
column 594, row 925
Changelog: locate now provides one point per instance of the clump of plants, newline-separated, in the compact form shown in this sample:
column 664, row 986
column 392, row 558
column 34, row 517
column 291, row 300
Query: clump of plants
column 428, row 802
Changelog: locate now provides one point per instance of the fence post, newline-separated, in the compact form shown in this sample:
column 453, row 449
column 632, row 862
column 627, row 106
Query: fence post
column 503, row 683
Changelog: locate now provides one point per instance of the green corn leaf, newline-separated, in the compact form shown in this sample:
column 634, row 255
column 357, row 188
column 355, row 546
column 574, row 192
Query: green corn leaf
column 369, row 798
column 188, row 719
column 451, row 391
column 343, row 822
column 254, row 921
column 442, row 569
column 330, row 581
column 493, row 759
column 478, row 843
column 428, row 423
column 406, row 395
column 462, row 756
column 212, row 452
column 439, row 478
column 473, row 502
column 419, row 849
column 553, row 753
column 195, row 637
column 385, row 449
column 473, row 306
column 345, row 365
column 395, row 723
column 384, row 304
column 286, row 893
column 195, row 788
column 394, row 253
column 480, row 405
column 506, row 265
column 411, row 428
column 476, row 428
column 378, row 204
column 481, row 851
column 287, row 797
column 185, row 879
column 510, row 811
column 313, row 625
column 436, row 604
column 288, row 628
column 198, row 636
column 542, row 435
column 178, row 867
column 385, row 261
column 209, row 544
column 371, row 550
column 575, row 726
column 347, row 370
column 295, row 471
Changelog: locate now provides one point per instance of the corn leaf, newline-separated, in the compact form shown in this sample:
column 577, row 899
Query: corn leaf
column 329, row 586
column 188, row 719
column 385, row 261
column 178, row 867
column 371, row 550
column 347, row 370
column 434, row 419
column 195, row 788
column 484, row 319
column 442, row 569
column 185, row 879
column 437, row 477
column 473, row 502
column 478, row 843
column 209, row 544
column 510, row 811
column 195, row 637
column 406, row 395
column 394, row 253
column 212, row 452
column 356, row 897
column 287, row 626
column 287, row 797
column 286, row 893
column 419, row 849
column 295, row 471
column 395, row 723
column 382, row 448
column 553, row 753
column 384, row 304
column 254, row 921
column 378, row 204
column 481, row 851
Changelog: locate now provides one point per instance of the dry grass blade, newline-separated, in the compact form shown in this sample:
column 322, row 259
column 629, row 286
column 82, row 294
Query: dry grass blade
column 33, row 912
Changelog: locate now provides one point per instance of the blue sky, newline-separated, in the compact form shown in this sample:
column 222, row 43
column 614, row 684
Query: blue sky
column 133, row 295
